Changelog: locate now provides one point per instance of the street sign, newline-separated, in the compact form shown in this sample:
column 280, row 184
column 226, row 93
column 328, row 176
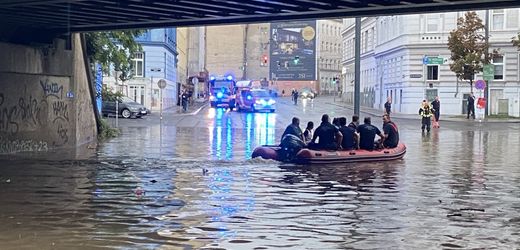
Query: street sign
column 481, row 103
column 488, row 72
column 433, row 60
column 415, row 75
column 480, row 84
column 195, row 80
column 161, row 83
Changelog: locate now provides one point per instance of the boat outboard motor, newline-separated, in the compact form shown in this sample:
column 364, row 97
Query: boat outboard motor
column 290, row 146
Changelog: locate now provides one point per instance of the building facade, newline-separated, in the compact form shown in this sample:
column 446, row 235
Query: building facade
column 182, row 54
column 407, row 58
column 238, row 50
column 328, row 47
column 156, row 61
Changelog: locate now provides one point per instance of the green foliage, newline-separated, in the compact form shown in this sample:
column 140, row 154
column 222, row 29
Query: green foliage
column 516, row 41
column 468, row 46
column 105, row 131
column 114, row 47
column 107, row 95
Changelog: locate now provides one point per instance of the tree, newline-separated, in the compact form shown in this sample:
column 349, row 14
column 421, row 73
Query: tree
column 109, row 95
column 516, row 41
column 469, row 48
column 114, row 48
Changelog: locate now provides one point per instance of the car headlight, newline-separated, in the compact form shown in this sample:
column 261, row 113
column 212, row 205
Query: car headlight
column 133, row 109
column 212, row 98
column 258, row 101
column 271, row 102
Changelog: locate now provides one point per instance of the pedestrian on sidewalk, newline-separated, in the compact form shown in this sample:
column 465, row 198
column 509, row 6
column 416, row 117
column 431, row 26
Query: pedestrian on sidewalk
column 471, row 105
column 388, row 105
column 184, row 98
column 436, row 105
column 426, row 112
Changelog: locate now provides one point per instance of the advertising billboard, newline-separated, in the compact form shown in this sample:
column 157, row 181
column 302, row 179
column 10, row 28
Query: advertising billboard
column 293, row 51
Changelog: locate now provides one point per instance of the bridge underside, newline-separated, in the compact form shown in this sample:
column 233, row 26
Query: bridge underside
column 46, row 17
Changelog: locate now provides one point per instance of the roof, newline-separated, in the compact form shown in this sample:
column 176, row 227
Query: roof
column 93, row 15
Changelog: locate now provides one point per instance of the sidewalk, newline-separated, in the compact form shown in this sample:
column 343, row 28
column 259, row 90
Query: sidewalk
column 450, row 118
column 192, row 107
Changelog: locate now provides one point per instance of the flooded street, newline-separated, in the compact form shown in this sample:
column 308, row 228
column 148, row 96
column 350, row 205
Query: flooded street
column 189, row 183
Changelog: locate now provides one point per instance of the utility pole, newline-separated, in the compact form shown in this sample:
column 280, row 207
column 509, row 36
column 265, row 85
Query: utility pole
column 244, row 58
column 486, row 90
column 357, row 66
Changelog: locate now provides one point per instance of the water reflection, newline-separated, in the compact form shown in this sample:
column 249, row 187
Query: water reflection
column 225, row 140
column 456, row 188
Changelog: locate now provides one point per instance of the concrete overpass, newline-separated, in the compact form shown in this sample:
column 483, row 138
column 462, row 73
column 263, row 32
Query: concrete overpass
column 46, row 96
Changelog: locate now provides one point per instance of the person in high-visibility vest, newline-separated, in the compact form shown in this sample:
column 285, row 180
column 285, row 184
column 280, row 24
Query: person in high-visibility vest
column 426, row 112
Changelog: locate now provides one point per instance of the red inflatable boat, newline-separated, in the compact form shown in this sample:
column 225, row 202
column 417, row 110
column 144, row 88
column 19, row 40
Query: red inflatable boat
column 307, row 156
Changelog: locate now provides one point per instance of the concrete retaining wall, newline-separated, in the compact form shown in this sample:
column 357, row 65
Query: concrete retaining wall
column 44, row 98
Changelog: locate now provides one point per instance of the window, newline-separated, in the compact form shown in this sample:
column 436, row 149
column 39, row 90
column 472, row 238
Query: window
column 138, row 64
column 499, row 67
column 365, row 45
column 498, row 19
column 433, row 72
column 432, row 23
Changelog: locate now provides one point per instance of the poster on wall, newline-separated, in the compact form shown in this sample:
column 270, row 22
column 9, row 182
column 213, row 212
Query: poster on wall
column 293, row 51
column 99, row 86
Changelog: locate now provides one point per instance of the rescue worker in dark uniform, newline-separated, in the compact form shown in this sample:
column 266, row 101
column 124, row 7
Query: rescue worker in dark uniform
column 292, row 141
column 390, row 132
column 329, row 136
column 355, row 122
column 294, row 129
column 426, row 112
column 350, row 138
column 367, row 134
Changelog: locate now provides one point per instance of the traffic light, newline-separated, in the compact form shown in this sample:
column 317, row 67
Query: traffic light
column 468, row 72
column 296, row 60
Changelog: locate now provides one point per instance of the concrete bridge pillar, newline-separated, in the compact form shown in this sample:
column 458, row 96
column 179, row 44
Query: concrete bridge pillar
column 45, row 99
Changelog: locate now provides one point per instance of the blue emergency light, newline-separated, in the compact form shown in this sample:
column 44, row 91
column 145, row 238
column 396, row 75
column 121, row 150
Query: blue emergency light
column 220, row 95
column 249, row 97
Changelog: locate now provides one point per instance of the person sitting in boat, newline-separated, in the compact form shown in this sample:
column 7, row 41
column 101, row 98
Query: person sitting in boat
column 335, row 122
column 391, row 133
column 350, row 138
column 329, row 136
column 355, row 122
column 294, row 129
column 367, row 133
column 292, row 140
column 307, row 134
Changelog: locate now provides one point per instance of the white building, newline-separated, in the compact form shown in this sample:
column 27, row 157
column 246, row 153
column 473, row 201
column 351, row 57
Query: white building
column 156, row 61
column 328, row 46
column 393, row 51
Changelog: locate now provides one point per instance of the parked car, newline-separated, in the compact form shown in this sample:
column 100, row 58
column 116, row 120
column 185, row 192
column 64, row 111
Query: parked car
column 126, row 108
column 307, row 93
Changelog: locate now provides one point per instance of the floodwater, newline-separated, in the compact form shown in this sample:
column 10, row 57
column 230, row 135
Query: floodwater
column 182, row 186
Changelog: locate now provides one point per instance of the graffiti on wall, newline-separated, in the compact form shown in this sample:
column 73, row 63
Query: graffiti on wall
column 11, row 146
column 31, row 111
